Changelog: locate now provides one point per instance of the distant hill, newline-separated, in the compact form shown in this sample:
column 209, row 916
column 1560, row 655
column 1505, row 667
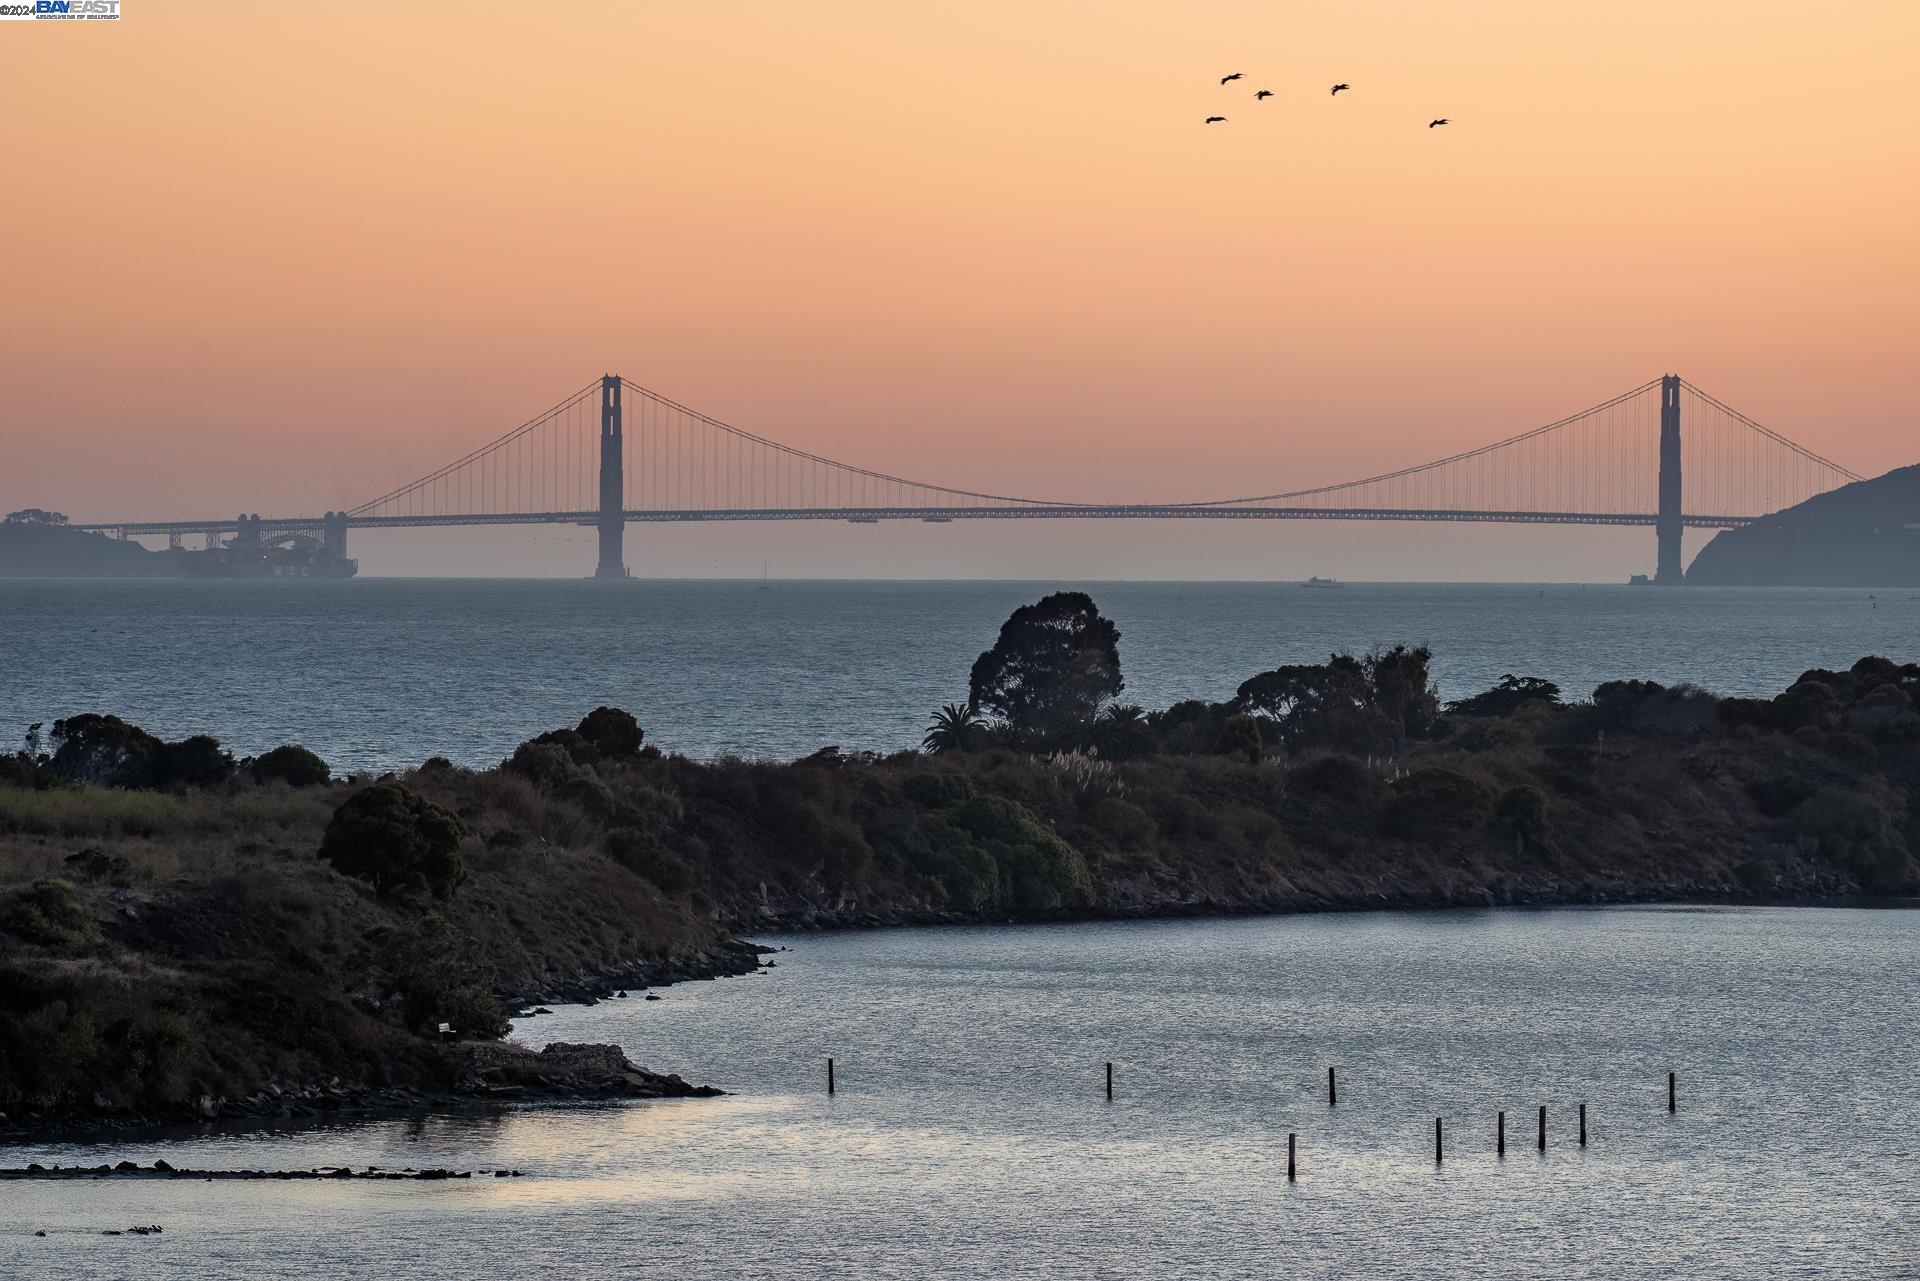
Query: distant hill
column 52, row 551
column 1866, row 534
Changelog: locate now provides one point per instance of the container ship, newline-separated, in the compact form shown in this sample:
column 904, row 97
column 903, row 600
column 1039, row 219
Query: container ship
column 302, row 558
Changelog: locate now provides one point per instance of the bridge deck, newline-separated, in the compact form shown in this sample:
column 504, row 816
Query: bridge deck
column 862, row 515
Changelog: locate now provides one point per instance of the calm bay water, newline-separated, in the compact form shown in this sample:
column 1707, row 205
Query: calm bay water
column 378, row 673
column 970, row 1136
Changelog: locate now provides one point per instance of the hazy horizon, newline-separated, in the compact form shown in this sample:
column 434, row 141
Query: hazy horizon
column 1022, row 551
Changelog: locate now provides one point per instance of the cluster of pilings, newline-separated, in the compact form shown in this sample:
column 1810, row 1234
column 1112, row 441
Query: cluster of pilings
column 1439, row 1123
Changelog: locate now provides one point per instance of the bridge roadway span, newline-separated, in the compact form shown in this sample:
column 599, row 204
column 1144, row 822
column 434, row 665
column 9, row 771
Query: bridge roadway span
column 933, row 515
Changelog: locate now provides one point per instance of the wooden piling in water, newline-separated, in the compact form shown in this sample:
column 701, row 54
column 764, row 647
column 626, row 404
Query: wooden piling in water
column 1290, row 1142
column 1439, row 1148
column 1501, row 1142
column 1543, row 1127
column 1333, row 1094
column 1669, row 1091
column 829, row 1076
column 1109, row 1081
column 1583, row 1125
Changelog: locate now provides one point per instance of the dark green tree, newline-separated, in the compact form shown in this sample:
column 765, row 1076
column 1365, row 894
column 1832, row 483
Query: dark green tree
column 1188, row 728
column 198, row 761
column 1811, row 702
column 1240, row 736
column 1874, row 670
column 90, row 748
column 1026, row 865
column 291, row 764
column 1055, row 663
column 1331, row 704
column 1508, row 696
column 440, row 975
column 612, row 732
column 1294, row 694
column 1852, row 827
column 547, row 761
column 1400, row 687
column 397, row 840
column 1615, row 703
column 565, row 741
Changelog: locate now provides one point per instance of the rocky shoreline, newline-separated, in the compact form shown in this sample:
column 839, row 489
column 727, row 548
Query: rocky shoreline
column 480, row 1074
column 162, row 1170
column 729, row 959
column 1803, row 883
column 1799, row 882
column 485, row 1075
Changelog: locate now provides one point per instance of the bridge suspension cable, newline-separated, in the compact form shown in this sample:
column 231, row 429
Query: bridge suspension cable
column 1602, row 462
column 1458, row 479
column 520, row 470
column 674, row 467
column 1602, row 465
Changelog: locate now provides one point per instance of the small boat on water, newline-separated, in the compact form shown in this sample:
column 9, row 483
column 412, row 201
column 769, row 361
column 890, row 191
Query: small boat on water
column 1317, row 581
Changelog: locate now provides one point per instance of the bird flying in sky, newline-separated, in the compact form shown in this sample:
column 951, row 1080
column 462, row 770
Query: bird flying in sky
column 1264, row 93
column 1338, row 88
column 1432, row 123
column 1235, row 76
column 1216, row 120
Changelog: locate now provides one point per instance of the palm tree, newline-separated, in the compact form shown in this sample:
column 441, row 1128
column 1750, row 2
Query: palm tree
column 1117, row 732
column 956, row 727
column 1121, row 732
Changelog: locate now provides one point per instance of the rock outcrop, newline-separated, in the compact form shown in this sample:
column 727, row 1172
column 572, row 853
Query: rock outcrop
column 499, row 1069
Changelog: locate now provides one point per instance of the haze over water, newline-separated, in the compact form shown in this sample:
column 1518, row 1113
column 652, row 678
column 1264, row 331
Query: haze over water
column 376, row 674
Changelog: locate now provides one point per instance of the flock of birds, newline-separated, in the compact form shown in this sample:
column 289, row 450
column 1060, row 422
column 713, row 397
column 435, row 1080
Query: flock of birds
column 1264, row 94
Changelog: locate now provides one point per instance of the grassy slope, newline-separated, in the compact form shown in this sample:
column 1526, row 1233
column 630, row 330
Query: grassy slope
column 213, row 907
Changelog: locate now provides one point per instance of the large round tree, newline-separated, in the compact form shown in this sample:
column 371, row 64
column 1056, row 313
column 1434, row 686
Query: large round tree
column 612, row 732
column 1056, row 662
column 396, row 839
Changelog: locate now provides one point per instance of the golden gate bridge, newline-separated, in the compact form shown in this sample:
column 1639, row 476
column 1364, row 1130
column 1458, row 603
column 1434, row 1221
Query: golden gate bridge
column 615, row 453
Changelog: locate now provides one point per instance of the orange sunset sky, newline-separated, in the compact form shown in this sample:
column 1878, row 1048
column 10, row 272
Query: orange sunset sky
column 281, row 257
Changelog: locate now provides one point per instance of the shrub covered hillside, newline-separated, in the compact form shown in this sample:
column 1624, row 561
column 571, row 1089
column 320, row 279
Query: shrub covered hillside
column 1356, row 789
column 164, row 944
column 176, row 925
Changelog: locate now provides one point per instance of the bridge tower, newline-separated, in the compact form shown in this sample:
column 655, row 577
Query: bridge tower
column 333, row 534
column 246, row 536
column 613, row 505
column 1668, row 569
